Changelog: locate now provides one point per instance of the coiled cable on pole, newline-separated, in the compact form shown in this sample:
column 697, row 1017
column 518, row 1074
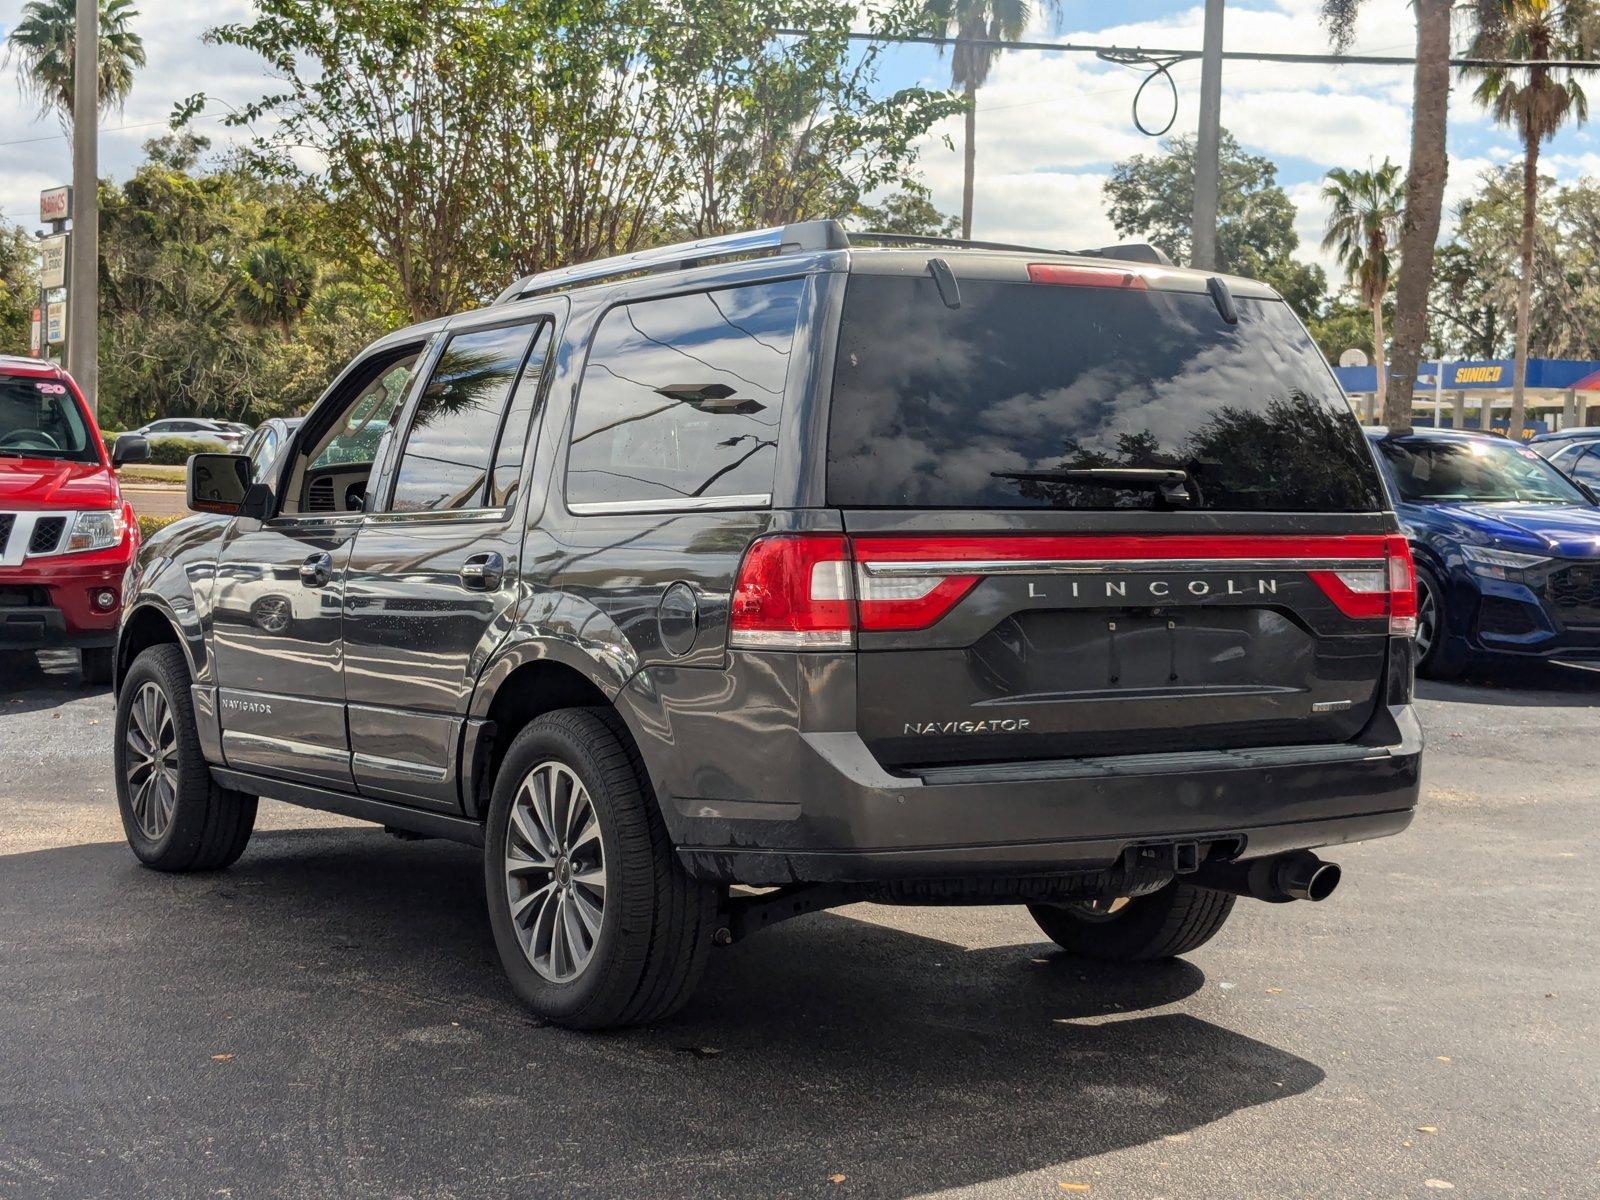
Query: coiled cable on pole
column 1159, row 67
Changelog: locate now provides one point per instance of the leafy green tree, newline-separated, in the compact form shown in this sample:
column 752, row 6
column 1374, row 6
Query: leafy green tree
column 464, row 145
column 969, row 22
column 1537, row 101
column 1425, row 180
column 1343, row 324
column 19, row 288
column 42, row 42
column 1478, row 284
column 1363, row 227
column 910, row 210
column 200, row 314
column 1151, row 196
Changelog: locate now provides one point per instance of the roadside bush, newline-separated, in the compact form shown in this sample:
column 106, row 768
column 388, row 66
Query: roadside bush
column 174, row 452
column 149, row 525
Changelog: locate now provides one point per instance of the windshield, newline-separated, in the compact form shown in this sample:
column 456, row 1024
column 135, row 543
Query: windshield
column 1481, row 470
column 40, row 418
column 1007, row 402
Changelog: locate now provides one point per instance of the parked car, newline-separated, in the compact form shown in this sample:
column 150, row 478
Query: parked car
column 197, row 429
column 67, row 537
column 1548, row 444
column 1575, row 451
column 1507, row 550
column 267, row 442
column 850, row 567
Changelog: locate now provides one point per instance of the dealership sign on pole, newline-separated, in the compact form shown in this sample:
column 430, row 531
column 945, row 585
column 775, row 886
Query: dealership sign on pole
column 35, row 331
column 55, row 322
column 55, row 204
column 53, row 257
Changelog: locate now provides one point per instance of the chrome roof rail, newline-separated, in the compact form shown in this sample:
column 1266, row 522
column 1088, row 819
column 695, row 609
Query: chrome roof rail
column 782, row 239
column 800, row 237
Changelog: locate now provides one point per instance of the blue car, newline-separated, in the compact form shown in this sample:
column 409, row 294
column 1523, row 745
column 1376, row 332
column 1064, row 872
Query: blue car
column 1507, row 550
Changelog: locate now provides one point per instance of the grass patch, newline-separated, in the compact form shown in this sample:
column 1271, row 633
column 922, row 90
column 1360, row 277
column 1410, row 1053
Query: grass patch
column 150, row 473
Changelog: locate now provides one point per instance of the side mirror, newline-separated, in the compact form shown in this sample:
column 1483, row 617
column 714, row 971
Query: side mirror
column 218, row 483
column 130, row 448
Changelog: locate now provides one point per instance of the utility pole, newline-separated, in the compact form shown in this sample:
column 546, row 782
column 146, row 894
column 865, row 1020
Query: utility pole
column 1203, row 252
column 83, row 291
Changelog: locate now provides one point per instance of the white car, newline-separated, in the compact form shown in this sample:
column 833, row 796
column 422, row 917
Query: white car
column 200, row 429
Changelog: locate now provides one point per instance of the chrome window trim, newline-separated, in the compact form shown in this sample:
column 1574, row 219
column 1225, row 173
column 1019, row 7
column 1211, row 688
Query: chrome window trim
column 1123, row 566
column 449, row 515
column 672, row 504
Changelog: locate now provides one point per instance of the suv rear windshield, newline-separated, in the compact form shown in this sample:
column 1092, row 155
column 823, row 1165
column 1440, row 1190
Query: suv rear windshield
column 40, row 418
column 939, row 407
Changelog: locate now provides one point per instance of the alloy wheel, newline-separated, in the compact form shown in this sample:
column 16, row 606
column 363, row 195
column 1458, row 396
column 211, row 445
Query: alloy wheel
column 152, row 761
column 555, row 866
column 1427, row 619
column 1100, row 909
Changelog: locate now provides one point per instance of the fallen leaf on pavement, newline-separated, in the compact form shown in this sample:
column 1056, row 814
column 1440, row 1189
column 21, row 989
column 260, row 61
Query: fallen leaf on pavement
column 1442, row 1057
column 1439, row 1185
column 1427, row 1129
column 221, row 1057
column 837, row 1178
column 1273, row 991
column 1073, row 1187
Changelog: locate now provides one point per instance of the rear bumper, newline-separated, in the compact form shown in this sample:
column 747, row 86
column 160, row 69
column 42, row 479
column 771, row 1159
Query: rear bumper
column 747, row 801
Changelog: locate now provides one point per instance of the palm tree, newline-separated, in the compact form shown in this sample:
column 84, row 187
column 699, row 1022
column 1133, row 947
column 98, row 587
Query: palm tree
column 277, row 285
column 969, row 21
column 1425, row 180
column 43, row 39
column 1363, row 229
column 1536, row 103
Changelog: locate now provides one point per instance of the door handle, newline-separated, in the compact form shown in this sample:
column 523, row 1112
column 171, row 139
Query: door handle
column 316, row 570
column 483, row 572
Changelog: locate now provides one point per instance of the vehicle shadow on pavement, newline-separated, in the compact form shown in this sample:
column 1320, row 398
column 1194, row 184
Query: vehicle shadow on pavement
column 329, row 1018
column 1535, row 685
column 42, row 681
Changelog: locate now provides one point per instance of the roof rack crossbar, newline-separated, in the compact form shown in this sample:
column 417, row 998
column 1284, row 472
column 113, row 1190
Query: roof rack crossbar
column 780, row 239
column 1129, row 251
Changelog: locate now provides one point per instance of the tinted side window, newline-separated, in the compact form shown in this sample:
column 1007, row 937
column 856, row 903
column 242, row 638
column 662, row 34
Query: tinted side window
column 1587, row 468
column 681, row 397
column 448, row 448
column 507, row 473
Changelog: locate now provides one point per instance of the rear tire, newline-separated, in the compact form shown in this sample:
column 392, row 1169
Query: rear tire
column 95, row 664
column 1175, row 920
column 176, row 817
column 639, row 929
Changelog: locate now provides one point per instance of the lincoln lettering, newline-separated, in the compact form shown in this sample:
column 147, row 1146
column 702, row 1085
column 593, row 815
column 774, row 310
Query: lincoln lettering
column 1135, row 588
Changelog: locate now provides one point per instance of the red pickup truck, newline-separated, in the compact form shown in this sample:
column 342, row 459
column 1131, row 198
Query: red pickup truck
column 66, row 534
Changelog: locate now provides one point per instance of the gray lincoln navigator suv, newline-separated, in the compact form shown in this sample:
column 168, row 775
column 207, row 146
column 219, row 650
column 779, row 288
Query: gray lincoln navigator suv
column 721, row 583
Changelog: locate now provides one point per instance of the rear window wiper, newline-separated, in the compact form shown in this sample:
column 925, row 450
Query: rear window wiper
column 1173, row 484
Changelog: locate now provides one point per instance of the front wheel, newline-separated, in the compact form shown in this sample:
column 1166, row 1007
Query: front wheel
column 176, row 816
column 1175, row 920
column 1435, row 658
column 596, row 923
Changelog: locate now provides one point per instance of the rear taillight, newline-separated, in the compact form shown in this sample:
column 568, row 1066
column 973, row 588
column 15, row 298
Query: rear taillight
column 794, row 593
column 1387, row 588
column 805, row 591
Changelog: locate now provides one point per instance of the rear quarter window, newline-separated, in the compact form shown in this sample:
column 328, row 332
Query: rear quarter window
column 681, row 398
column 934, row 407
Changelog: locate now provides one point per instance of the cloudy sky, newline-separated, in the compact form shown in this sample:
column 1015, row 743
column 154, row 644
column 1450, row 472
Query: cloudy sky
column 1050, row 125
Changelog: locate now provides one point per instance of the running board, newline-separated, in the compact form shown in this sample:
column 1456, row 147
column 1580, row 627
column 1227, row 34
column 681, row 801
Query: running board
column 394, row 816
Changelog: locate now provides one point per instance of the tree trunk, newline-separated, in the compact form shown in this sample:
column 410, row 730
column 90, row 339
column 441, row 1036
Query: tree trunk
column 1530, row 209
column 971, row 157
column 1425, row 180
column 1382, row 392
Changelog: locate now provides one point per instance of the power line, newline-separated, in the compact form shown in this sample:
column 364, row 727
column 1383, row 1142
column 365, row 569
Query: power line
column 1117, row 53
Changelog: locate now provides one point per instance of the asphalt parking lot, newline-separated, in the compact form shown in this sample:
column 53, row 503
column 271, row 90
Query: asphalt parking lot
column 328, row 1018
